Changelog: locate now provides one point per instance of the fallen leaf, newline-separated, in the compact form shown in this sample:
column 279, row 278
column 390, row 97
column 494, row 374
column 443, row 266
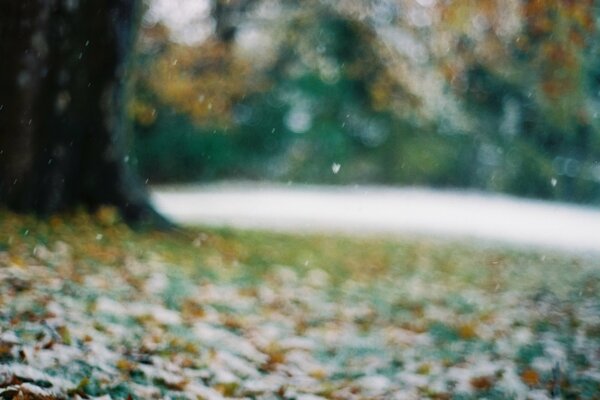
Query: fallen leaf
column 530, row 377
column 482, row 382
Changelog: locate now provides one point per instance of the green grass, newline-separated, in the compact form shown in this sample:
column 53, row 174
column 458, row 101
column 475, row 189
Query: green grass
column 223, row 253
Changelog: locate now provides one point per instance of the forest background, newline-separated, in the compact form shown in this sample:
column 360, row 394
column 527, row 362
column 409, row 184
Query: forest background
column 492, row 95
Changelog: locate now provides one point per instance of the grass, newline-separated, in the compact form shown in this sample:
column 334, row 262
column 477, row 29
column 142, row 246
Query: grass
column 100, row 239
column 382, row 316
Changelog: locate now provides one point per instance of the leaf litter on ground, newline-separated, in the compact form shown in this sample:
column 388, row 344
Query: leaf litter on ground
column 214, row 314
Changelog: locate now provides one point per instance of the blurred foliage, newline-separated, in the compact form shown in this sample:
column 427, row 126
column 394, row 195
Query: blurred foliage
column 488, row 94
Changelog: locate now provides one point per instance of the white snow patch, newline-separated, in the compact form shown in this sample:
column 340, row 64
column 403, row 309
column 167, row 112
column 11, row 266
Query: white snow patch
column 203, row 392
column 371, row 209
column 110, row 306
column 374, row 385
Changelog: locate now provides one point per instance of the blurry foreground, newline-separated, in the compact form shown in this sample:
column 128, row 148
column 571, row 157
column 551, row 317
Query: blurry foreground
column 90, row 308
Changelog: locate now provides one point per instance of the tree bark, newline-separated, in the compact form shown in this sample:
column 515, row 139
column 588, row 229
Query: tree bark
column 63, row 68
column 227, row 15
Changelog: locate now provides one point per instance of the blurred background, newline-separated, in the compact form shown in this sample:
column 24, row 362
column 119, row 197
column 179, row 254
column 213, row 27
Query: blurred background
column 494, row 95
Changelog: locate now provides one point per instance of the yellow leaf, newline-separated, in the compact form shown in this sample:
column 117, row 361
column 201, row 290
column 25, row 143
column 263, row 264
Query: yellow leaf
column 467, row 331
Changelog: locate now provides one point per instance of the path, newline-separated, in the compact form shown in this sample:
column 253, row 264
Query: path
column 382, row 210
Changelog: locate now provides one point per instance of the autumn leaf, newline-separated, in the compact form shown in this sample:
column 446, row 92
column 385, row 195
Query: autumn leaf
column 482, row 382
column 530, row 377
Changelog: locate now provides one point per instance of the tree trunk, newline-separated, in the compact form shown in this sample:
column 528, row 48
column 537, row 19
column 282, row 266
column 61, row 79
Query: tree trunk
column 62, row 107
column 227, row 15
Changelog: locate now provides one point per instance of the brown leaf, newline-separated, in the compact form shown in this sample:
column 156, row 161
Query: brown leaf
column 530, row 377
column 482, row 382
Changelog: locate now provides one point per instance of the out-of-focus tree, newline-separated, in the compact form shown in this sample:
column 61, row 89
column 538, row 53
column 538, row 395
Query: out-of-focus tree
column 289, row 84
column 522, row 67
column 488, row 93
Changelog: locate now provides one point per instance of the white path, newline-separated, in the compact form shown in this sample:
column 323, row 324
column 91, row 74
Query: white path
column 382, row 210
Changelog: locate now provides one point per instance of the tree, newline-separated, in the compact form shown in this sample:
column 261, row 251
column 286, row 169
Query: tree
column 62, row 103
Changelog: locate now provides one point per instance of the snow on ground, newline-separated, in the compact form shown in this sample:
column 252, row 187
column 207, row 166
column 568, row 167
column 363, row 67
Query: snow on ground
column 77, row 331
column 90, row 310
column 371, row 209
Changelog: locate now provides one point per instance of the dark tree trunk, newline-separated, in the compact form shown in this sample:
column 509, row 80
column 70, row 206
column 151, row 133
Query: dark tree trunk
column 62, row 106
column 227, row 15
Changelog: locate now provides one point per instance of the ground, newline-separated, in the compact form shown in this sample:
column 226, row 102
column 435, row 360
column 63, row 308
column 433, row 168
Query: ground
column 90, row 309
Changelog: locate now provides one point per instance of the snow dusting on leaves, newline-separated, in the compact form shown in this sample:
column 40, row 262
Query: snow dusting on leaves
column 147, row 330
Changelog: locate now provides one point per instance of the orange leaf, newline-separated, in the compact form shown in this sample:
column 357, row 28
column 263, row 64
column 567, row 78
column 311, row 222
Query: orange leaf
column 530, row 377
